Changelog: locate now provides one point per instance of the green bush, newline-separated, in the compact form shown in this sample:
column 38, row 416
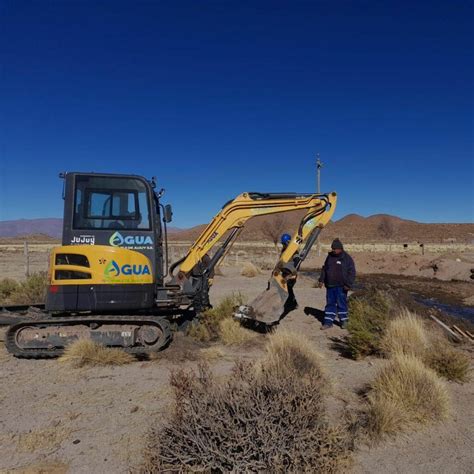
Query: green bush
column 369, row 315
column 30, row 291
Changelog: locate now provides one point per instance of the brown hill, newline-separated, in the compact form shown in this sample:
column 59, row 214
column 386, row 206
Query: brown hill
column 48, row 226
column 352, row 228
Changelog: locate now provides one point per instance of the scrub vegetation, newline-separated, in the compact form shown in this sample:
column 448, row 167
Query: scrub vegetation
column 84, row 352
column 369, row 315
column 250, row 270
column 268, row 416
column 404, row 393
column 30, row 291
column 216, row 324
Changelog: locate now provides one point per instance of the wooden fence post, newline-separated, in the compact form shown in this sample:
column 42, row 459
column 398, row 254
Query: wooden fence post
column 27, row 259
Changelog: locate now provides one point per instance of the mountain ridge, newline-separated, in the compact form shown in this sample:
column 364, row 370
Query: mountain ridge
column 351, row 228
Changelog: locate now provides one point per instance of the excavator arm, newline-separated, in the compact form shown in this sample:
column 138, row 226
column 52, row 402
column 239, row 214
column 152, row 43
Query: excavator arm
column 195, row 267
column 270, row 306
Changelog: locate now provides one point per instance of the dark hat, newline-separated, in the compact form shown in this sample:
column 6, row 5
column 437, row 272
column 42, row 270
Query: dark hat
column 337, row 244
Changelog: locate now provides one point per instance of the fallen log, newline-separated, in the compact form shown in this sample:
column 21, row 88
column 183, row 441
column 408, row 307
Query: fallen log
column 454, row 335
column 471, row 336
column 460, row 331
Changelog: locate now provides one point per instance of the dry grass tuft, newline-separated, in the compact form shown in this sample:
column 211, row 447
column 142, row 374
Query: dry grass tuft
column 41, row 467
column 405, row 334
column 448, row 362
column 46, row 438
column 231, row 332
column 84, row 352
column 212, row 353
column 291, row 351
column 249, row 270
column 200, row 332
column 207, row 329
column 265, row 418
column 405, row 392
column 32, row 290
column 8, row 287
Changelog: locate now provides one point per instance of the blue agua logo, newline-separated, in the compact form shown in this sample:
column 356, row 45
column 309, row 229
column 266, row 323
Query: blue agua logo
column 117, row 240
column 113, row 269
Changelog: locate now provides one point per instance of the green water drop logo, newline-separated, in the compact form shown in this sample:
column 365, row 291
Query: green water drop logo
column 116, row 239
column 112, row 269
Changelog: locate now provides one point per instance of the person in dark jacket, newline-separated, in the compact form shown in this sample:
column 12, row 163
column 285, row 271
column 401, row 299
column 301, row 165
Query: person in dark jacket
column 338, row 276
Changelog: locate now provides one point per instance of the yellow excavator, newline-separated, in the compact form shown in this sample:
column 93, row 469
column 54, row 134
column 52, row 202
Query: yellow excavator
column 110, row 281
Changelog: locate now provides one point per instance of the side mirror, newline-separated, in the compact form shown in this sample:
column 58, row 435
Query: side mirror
column 168, row 213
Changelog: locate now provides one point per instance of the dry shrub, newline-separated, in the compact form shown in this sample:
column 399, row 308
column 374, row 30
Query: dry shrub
column 8, row 287
column 32, row 290
column 212, row 353
column 84, row 352
column 199, row 331
column 265, row 418
column 206, row 329
column 231, row 332
column 369, row 315
column 405, row 334
column 405, row 392
column 249, row 270
column 447, row 361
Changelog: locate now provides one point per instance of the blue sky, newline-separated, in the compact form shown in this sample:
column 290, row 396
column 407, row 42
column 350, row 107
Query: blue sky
column 217, row 98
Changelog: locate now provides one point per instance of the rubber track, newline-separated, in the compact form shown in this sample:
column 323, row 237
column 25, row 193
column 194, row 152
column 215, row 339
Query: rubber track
column 163, row 341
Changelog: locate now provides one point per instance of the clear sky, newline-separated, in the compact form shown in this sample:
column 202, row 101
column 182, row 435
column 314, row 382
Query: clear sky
column 217, row 98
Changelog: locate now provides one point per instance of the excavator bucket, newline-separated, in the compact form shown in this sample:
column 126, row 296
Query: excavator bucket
column 268, row 307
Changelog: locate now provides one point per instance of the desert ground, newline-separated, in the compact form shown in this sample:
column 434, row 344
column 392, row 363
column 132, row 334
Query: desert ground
column 55, row 418
column 440, row 261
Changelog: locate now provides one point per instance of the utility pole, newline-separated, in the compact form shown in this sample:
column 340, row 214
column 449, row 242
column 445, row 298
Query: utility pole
column 319, row 165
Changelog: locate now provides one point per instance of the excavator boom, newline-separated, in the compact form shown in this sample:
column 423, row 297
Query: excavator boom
column 229, row 222
column 272, row 304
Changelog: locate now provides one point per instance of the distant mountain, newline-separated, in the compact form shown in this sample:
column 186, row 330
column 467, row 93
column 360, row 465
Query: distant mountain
column 52, row 227
column 351, row 228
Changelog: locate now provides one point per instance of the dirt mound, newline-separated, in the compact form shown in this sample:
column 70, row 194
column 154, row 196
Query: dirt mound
column 442, row 268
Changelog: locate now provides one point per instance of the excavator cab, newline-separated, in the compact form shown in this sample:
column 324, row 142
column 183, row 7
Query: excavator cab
column 111, row 258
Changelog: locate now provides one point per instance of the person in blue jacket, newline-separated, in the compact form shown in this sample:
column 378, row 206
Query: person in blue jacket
column 338, row 276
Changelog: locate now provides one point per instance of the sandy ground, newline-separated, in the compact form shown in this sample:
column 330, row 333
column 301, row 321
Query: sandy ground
column 442, row 265
column 96, row 419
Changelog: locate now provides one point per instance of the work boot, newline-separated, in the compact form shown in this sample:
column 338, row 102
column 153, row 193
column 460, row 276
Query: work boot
column 326, row 326
column 344, row 324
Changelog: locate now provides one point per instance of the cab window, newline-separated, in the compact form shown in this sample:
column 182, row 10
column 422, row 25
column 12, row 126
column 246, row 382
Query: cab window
column 105, row 202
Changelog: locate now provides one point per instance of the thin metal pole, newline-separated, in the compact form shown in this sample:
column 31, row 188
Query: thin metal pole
column 319, row 165
column 27, row 259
